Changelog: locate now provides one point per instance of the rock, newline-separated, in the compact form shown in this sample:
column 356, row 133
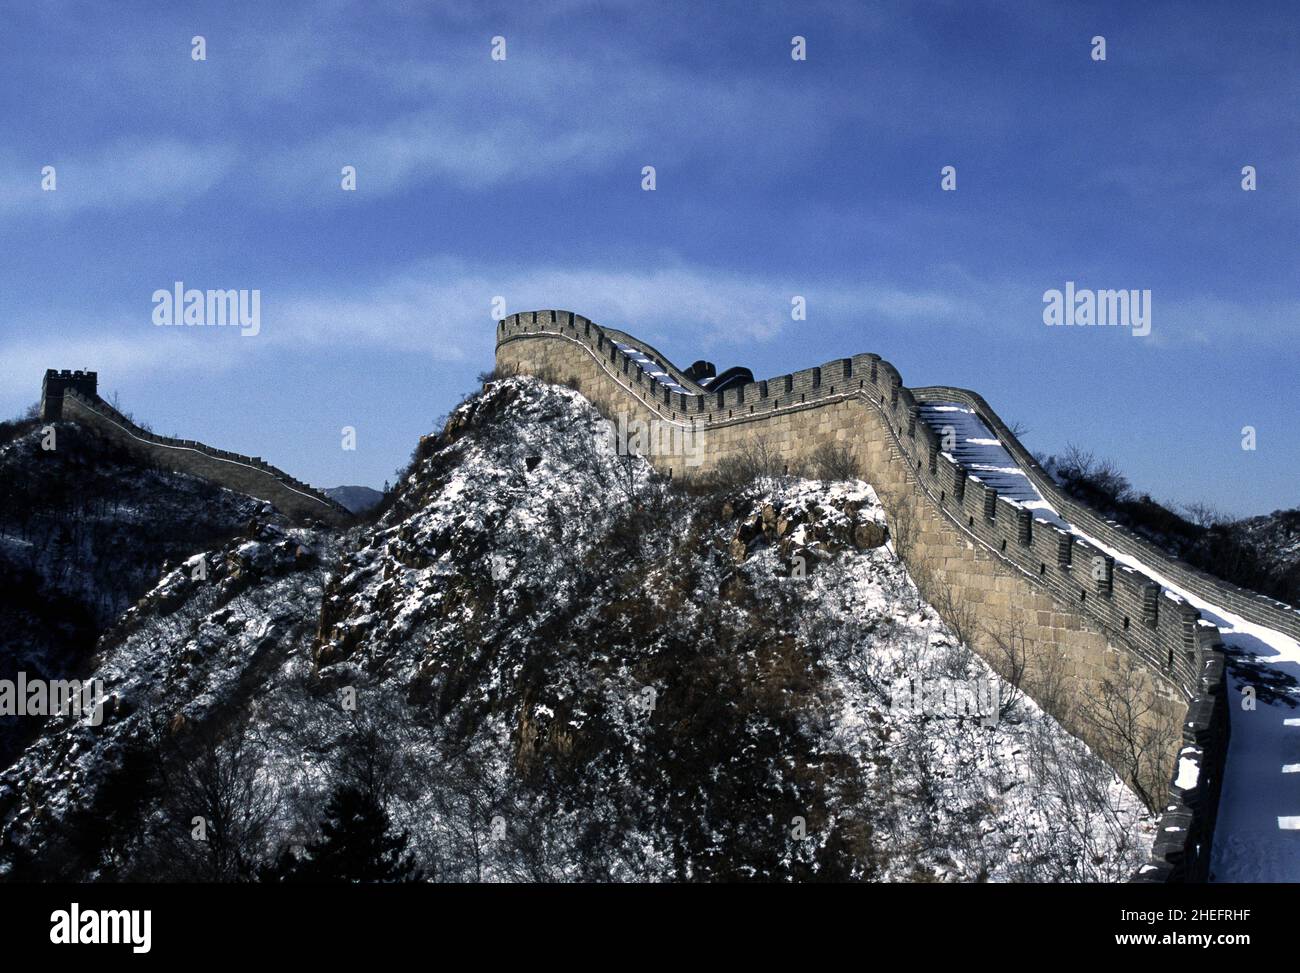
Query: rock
column 733, row 589
column 869, row 535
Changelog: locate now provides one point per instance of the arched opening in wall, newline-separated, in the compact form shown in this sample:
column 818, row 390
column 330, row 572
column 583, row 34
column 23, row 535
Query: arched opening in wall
column 1004, row 545
column 785, row 469
column 728, row 413
column 802, row 397
column 1170, row 661
column 1042, row 567
column 942, row 496
column 1083, row 594
column 861, row 384
column 1126, row 623
column 970, row 521
column 832, row 390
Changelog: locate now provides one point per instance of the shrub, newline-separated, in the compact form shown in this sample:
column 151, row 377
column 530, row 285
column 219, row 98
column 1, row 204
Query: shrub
column 832, row 461
column 754, row 461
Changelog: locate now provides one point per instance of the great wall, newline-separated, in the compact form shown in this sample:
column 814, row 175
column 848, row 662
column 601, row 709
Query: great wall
column 1087, row 600
column 74, row 396
column 1085, row 597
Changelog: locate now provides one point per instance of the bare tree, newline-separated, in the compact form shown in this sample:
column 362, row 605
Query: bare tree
column 961, row 616
column 1205, row 515
column 217, row 805
column 1133, row 732
column 756, row 460
column 1010, row 659
column 902, row 526
column 832, row 461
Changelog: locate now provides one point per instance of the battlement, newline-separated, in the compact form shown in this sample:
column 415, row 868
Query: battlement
column 57, row 382
column 1066, row 592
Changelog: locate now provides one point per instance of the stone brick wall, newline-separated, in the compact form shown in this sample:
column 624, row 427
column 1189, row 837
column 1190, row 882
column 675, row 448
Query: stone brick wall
column 244, row 474
column 1030, row 583
column 56, row 382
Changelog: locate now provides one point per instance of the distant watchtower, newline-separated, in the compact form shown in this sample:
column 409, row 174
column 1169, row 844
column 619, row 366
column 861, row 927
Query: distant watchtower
column 52, row 389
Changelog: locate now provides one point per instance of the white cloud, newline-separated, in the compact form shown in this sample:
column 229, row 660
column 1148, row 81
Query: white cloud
column 441, row 309
column 126, row 173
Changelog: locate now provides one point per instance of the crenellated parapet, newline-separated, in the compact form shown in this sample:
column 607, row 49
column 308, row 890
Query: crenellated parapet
column 56, row 382
column 1087, row 596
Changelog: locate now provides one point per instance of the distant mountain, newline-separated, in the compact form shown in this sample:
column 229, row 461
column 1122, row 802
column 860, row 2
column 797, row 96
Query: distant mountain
column 357, row 499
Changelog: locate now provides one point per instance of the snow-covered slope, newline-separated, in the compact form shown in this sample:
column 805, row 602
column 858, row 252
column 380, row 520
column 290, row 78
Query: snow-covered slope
column 85, row 531
column 553, row 665
column 1276, row 539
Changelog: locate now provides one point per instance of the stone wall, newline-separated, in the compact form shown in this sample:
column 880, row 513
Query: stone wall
column 243, row 474
column 56, row 382
column 1081, row 631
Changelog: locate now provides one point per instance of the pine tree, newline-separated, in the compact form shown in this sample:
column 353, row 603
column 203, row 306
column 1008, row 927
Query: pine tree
column 356, row 845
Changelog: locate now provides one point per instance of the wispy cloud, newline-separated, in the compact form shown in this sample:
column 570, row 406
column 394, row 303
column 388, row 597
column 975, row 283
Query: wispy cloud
column 441, row 309
column 126, row 173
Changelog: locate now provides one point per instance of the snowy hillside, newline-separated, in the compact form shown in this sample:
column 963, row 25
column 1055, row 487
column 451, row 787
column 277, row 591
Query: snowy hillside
column 1276, row 539
column 84, row 532
column 545, row 663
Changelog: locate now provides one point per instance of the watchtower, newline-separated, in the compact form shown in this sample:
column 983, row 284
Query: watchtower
column 54, row 385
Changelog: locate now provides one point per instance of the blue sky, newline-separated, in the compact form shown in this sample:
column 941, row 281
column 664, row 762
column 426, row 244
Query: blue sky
column 522, row 178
